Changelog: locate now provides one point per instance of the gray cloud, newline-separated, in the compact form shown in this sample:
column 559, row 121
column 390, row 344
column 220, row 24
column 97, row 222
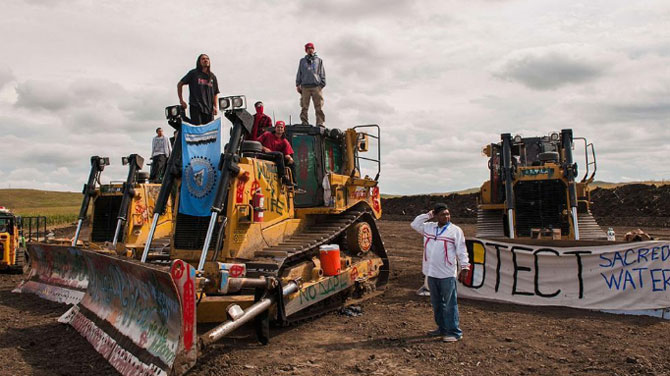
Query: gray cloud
column 355, row 10
column 549, row 68
column 41, row 95
column 6, row 76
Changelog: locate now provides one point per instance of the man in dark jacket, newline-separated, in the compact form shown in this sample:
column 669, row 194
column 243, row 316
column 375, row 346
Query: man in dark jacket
column 309, row 82
column 203, row 89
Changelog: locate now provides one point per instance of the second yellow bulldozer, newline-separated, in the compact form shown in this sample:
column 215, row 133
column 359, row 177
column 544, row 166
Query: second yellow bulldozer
column 534, row 189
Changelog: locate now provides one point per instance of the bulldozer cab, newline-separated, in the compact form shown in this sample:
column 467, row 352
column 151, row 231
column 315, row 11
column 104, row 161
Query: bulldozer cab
column 324, row 156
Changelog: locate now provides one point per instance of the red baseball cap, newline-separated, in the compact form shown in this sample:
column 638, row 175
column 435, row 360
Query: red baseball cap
column 280, row 122
column 309, row 45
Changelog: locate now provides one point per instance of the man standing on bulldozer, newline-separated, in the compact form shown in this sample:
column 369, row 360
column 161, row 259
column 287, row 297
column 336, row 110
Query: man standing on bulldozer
column 161, row 149
column 445, row 257
column 309, row 82
column 203, row 89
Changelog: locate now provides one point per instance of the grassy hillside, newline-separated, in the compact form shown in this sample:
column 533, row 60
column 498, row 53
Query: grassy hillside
column 58, row 207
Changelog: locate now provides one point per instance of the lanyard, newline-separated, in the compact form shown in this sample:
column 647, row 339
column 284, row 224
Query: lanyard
column 441, row 232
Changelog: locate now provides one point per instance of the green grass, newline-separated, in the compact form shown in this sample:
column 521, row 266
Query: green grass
column 58, row 207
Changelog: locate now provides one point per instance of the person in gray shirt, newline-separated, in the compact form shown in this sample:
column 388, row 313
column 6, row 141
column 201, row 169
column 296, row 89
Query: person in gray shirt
column 309, row 82
column 160, row 152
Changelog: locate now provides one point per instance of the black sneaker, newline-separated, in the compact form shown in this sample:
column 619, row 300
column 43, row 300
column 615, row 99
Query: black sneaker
column 435, row 333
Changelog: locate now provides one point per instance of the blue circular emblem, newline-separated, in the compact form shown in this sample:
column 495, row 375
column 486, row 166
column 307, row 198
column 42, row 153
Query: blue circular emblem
column 200, row 176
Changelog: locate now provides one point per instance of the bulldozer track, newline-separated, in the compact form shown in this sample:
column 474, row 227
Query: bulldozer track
column 490, row 224
column 304, row 245
column 589, row 229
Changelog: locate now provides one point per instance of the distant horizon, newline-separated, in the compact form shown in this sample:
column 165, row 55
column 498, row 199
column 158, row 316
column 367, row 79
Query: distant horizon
column 595, row 183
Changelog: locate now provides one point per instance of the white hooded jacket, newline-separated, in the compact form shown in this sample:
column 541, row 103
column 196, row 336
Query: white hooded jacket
column 444, row 250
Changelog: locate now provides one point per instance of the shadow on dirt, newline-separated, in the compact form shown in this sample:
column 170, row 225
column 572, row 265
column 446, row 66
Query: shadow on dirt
column 54, row 349
column 32, row 303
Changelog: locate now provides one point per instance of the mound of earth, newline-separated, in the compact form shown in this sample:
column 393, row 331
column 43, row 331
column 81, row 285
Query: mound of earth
column 462, row 206
column 633, row 204
column 628, row 205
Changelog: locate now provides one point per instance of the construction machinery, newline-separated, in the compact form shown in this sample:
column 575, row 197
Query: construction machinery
column 12, row 244
column 534, row 189
column 120, row 212
column 269, row 250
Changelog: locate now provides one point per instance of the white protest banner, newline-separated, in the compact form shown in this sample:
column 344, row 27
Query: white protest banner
column 611, row 276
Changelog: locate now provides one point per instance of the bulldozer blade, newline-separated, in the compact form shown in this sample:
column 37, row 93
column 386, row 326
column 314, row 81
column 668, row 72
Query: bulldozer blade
column 57, row 273
column 139, row 317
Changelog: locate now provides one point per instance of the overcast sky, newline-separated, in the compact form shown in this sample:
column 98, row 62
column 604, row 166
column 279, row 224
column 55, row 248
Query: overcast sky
column 441, row 78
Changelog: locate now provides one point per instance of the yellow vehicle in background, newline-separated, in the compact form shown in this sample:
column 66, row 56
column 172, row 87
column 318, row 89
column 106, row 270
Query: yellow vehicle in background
column 12, row 244
column 269, row 250
column 533, row 189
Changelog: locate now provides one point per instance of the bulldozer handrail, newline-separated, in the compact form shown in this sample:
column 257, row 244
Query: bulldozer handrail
column 379, row 147
column 588, row 146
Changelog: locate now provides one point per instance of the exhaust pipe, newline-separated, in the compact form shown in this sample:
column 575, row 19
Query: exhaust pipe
column 248, row 315
column 507, row 172
column 97, row 166
column 135, row 162
column 570, row 169
column 172, row 172
column 241, row 119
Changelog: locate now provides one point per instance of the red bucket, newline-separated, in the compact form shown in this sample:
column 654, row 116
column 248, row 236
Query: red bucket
column 329, row 255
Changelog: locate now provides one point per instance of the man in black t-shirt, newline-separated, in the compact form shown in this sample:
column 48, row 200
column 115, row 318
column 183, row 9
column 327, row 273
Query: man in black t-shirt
column 203, row 89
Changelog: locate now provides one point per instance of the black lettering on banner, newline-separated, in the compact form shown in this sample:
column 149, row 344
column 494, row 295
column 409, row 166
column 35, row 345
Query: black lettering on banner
column 579, row 254
column 497, row 247
column 537, row 273
column 518, row 268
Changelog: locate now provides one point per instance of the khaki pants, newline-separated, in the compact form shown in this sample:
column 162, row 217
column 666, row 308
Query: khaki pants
column 315, row 94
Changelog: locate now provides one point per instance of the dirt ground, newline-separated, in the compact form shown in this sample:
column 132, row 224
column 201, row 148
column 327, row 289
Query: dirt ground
column 388, row 339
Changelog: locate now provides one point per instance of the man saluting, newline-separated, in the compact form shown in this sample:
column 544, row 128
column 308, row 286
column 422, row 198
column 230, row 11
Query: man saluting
column 444, row 258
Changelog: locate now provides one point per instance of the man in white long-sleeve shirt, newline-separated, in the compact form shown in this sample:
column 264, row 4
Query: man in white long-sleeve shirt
column 160, row 152
column 445, row 257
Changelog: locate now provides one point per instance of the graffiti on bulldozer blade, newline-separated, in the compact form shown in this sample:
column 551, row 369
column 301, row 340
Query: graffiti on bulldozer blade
column 122, row 360
column 140, row 303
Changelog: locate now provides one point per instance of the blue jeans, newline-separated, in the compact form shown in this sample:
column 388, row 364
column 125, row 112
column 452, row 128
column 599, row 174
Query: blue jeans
column 445, row 307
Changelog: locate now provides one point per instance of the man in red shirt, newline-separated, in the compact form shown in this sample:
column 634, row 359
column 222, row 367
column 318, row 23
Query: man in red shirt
column 277, row 144
column 261, row 122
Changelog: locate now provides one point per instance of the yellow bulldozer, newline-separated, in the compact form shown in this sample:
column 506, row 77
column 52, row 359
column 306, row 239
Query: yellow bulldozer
column 277, row 246
column 12, row 244
column 15, row 232
column 533, row 190
column 120, row 212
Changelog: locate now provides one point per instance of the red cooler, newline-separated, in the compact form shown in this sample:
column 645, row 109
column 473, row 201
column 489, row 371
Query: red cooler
column 329, row 255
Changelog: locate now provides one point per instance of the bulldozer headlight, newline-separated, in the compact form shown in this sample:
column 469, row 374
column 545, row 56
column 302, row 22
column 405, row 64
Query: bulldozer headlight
column 517, row 139
column 173, row 112
column 238, row 102
column 554, row 136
